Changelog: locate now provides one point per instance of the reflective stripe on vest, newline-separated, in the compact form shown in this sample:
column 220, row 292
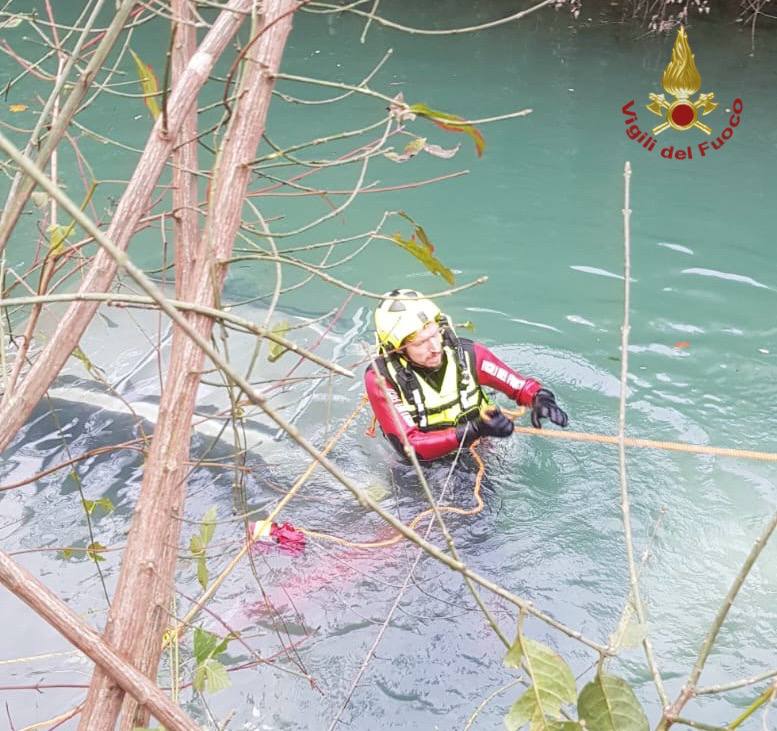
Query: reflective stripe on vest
column 432, row 409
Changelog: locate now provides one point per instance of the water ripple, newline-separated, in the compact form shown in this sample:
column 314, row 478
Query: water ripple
column 598, row 272
column 540, row 325
column 676, row 247
column 729, row 276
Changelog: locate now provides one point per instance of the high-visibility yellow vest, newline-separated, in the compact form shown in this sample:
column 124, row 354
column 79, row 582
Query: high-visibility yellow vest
column 459, row 399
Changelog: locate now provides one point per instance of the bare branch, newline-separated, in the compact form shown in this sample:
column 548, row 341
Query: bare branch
column 329, row 8
column 634, row 592
column 19, row 195
column 18, row 405
column 711, row 689
column 62, row 618
column 689, row 689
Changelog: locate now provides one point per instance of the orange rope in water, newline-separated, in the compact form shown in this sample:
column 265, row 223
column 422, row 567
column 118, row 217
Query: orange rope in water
column 397, row 537
column 447, row 509
column 650, row 444
column 571, row 436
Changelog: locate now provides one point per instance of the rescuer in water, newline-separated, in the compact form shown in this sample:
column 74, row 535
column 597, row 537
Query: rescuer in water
column 435, row 381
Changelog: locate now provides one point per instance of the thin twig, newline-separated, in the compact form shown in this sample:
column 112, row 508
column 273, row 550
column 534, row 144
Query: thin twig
column 284, row 152
column 689, row 689
column 344, row 285
column 488, row 700
column 370, row 18
column 393, row 102
column 331, row 100
column 66, row 716
column 394, row 607
column 634, row 594
column 217, row 314
column 710, row 689
column 766, row 697
column 433, row 32
column 20, row 194
column 699, row 725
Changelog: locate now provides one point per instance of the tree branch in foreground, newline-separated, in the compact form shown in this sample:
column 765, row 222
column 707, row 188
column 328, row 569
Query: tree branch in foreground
column 62, row 618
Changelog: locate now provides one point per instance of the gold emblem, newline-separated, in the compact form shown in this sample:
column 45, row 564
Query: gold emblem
column 681, row 80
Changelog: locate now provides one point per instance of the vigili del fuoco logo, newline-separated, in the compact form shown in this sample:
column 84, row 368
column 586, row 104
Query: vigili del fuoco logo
column 682, row 80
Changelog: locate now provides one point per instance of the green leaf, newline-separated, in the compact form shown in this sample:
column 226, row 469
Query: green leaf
column 634, row 634
column 57, row 236
column 208, row 527
column 514, row 655
column 553, row 686
column 198, row 681
column 376, row 491
column 217, row 677
column 93, row 550
column 276, row 349
column 222, row 646
column 423, row 250
column 207, row 645
column 443, row 119
column 204, row 644
column 466, row 325
column 412, row 148
column 80, row 355
column 630, row 632
column 148, row 83
column 67, row 553
column 202, row 572
column 196, row 547
column 103, row 502
column 525, row 710
column 209, row 675
column 213, row 677
column 608, row 703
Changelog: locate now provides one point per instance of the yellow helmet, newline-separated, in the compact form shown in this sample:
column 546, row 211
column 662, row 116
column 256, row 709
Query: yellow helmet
column 396, row 319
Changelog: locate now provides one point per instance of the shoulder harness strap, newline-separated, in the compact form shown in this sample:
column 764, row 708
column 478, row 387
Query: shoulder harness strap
column 464, row 376
column 406, row 381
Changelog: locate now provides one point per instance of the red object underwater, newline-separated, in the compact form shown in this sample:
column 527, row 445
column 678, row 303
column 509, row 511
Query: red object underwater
column 284, row 534
column 287, row 536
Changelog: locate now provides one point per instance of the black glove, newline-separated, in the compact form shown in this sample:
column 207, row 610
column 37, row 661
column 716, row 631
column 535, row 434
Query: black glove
column 493, row 423
column 544, row 406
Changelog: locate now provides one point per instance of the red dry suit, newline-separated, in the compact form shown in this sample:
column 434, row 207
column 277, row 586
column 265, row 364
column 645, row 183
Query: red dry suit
column 394, row 417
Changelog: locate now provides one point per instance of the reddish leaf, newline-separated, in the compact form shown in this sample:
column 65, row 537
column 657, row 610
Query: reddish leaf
column 420, row 144
column 399, row 110
column 148, row 83
column 682, row 344
column 423, row 250
column 412, row 148
column 443, row 121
